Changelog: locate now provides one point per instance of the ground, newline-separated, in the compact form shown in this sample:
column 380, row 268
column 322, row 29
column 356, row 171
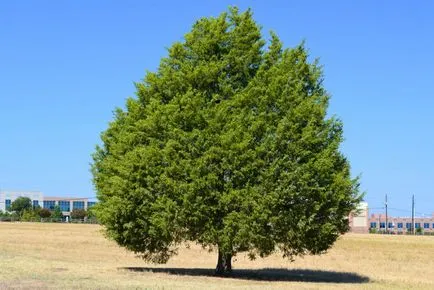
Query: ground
column 66, row 256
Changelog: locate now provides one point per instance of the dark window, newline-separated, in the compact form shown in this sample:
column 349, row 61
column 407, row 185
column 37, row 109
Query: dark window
column 373, row 225
column 382, row 225
column 64, row 205
column 390, row 226
column 408, row 225
column 78, row 205
column 8, row 204
column 426, row 225
column 417, row 225
column 90, row 204
column 49, row 204
column 399, row 225
column 35, row 203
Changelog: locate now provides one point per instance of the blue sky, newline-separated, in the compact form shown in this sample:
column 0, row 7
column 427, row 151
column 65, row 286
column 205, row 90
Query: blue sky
column 65, row 65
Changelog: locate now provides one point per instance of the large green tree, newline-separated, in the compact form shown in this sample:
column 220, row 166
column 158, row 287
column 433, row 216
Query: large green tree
column 227, row 145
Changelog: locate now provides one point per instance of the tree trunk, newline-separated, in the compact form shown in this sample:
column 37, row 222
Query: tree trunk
column 224, row 264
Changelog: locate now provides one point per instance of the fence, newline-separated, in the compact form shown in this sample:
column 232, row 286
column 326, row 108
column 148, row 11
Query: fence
column 49, row 220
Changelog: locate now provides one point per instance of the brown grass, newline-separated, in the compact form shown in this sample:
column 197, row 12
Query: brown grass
column 66, row 256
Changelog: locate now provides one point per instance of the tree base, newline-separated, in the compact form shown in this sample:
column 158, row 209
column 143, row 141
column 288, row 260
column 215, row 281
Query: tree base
column 224, row 264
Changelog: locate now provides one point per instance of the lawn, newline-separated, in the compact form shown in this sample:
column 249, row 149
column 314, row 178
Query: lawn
column 66, row 256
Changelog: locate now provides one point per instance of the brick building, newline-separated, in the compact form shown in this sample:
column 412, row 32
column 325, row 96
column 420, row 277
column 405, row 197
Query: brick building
column 400, row 225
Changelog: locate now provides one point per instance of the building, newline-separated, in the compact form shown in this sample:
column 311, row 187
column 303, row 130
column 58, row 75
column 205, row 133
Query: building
column 66, row 204
column 7, row 197
column 358, row 219
column 400, row 225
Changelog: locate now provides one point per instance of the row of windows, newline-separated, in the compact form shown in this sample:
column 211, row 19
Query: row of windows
column 64, row 205
column 78, row 205
column 401, row 225
column 35, row 204
column 50, row 204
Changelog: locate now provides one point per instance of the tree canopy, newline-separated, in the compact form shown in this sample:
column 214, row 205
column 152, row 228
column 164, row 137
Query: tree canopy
column 21, row 204
column 227, row 145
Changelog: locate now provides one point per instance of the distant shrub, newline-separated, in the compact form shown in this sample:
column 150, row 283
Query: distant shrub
column 29, row 215
column 78, row 214
column 57, row 213
column 44, row 213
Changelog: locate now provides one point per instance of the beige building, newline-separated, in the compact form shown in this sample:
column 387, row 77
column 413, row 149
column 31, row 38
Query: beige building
column 359, row 219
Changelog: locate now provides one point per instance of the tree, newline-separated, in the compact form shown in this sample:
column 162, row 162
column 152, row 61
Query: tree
column 227, row 145
column 57, row 213
column 44, row 213
column 78, row 213
column 21, row 204
column 29, row 215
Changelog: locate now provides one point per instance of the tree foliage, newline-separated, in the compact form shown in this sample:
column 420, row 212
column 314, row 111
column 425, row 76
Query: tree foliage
column 78, row 213
column 44, row 213
column 57, row 213
column 21, row 204
column 228, row 145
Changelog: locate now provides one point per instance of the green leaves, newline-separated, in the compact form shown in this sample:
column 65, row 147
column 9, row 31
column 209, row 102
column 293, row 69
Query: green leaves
column 228, row 144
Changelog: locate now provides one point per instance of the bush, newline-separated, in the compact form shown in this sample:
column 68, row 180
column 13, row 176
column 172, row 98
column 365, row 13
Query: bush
column 57, row 213
column 78, row 214
column 9, row 217
column 44, row 213
column 29, row 215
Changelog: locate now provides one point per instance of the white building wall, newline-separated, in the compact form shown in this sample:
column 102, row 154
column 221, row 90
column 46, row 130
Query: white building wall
column 13, row 195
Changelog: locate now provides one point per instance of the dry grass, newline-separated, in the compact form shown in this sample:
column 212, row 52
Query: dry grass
column 66, row 256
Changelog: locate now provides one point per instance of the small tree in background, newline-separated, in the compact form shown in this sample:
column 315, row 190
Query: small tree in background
column 78, row 213
column 44, row 213
column 29, row 215
column 21, row 204
column 57, row 213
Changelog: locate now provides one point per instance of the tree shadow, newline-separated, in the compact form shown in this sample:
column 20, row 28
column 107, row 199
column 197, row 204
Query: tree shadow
column 265, row 274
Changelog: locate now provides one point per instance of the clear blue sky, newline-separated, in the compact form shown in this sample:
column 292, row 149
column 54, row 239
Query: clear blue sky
column 65, row 65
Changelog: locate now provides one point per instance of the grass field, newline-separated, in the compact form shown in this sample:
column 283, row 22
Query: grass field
column 66, row 256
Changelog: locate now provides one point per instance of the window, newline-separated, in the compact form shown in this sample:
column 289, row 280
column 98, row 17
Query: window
column 373, row 225
column 408, row 225
column 400, row 225
column 382, row 225
column 8, row 204
column 390, row 226
column 426, row 225
column 64, row 205
column 49, row 204
column 35, row 204
column 417, row 225
column 90, row 204
column 78, row 205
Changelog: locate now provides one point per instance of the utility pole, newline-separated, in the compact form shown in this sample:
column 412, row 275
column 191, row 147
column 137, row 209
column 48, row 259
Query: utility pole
column 387, row 224
column 412, row 215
